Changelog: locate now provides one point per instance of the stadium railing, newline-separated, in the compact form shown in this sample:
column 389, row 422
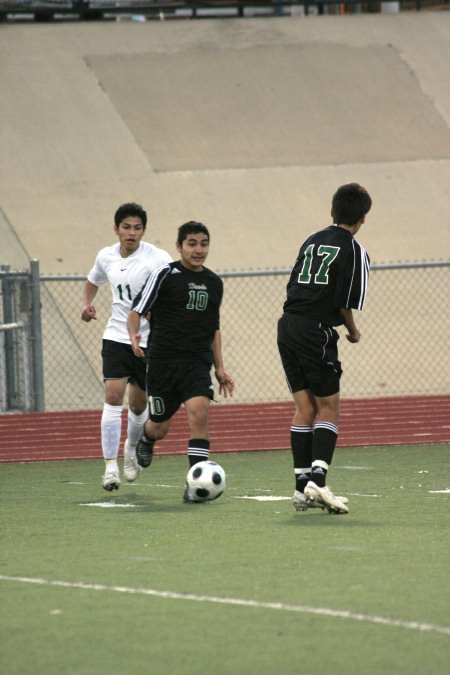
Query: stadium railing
column 86, row 10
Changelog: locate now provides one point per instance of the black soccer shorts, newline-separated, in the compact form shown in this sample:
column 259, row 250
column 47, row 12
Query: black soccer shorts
column 309, row 354
column 171, row 383
column 119, row 361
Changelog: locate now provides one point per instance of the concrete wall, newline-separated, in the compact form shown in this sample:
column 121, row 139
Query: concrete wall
column 246, row 124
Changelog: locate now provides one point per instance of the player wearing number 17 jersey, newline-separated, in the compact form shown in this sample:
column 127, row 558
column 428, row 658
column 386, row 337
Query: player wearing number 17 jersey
column 328, row 281
column 125, row 266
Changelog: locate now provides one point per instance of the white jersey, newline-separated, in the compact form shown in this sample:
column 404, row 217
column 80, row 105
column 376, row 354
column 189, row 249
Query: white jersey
column 126, row 277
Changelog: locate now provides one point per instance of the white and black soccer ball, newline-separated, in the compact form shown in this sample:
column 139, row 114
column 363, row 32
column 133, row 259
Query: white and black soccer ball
column 205, row 481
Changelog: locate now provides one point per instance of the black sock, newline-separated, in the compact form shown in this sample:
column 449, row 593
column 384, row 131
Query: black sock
column 319, row 475
column 301, row 446
column 324, row 443
column 302, row 480
column 198, row 450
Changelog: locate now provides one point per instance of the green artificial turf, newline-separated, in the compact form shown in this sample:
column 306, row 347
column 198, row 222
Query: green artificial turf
column 387, row 558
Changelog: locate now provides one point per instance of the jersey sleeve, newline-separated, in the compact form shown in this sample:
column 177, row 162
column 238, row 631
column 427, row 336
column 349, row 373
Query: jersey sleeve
column 149, row 292
column 358, row 278
column 164, row 257
column 97, row 275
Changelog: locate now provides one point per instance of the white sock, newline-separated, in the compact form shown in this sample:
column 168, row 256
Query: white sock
column 111, row 427
column 135, row 426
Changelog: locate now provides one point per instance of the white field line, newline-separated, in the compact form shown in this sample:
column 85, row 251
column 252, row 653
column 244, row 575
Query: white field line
column 238, row 602
column 109, row 505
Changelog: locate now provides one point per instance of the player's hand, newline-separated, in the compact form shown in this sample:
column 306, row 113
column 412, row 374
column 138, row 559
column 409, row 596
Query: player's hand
column 135, row 346
column 226, row 383
column 88, row 313
column 354, row 336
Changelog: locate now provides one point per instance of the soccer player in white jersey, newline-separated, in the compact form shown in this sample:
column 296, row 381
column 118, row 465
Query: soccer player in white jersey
column 125, row 266
column 328, row 281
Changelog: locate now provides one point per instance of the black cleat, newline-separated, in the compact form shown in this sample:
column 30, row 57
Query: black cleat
column 144, row 452
column 186, row 497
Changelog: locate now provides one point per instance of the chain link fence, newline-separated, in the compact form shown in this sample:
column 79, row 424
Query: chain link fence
column 405, row 347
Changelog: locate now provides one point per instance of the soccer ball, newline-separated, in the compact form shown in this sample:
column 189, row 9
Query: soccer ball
column 205, row 481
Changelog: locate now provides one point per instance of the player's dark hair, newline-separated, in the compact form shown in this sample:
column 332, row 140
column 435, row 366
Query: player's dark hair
column 350, row 203
column 130, row 209
column 192, row 227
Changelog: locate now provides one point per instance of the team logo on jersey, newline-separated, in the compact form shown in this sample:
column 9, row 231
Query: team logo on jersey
column 197, row 287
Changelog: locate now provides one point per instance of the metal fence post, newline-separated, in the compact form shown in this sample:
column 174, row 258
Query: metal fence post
column 37, row 351
column 8, row 344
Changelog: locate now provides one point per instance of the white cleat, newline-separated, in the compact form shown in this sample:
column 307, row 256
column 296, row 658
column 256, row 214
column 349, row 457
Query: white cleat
column 300, row 502
column 111, row 479
column 131, row 468
column 325, row 498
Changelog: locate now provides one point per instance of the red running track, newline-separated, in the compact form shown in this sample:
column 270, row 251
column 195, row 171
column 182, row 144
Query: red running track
column 32, row 437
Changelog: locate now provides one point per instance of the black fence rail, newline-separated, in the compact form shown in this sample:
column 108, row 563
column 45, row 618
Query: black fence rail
column 88, row 10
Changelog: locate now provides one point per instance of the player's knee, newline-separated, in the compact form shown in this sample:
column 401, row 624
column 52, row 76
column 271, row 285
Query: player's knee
column 157, row 430
column 328, row 410
column 114, row 399
column 200, row 413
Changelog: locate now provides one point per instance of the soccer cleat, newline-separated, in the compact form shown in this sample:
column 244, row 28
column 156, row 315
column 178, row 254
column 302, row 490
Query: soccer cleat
column 111, row 479
column 324, row 496
column 131, row 467
column 144, row 452
column 300, row 502
column 186, row 497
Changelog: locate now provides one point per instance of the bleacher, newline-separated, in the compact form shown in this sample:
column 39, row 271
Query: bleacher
column 146, row 10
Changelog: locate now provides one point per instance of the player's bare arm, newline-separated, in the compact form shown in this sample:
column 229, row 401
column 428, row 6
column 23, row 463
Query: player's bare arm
column 353, row 334
column 134, row 324
column 88, row 312
column 226, row 382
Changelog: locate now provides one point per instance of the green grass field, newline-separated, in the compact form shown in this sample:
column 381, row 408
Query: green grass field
column 302, row 593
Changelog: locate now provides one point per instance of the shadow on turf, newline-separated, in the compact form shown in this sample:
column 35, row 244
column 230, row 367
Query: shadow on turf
column 319, row 519
column 142, row 504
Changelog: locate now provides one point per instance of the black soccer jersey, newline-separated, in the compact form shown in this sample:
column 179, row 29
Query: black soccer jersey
column 184, row 311
column 330, row 273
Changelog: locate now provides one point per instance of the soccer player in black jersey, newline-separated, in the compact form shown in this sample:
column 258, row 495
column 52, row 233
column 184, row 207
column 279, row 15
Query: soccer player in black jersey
column 183, row 301
column 328, row 280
